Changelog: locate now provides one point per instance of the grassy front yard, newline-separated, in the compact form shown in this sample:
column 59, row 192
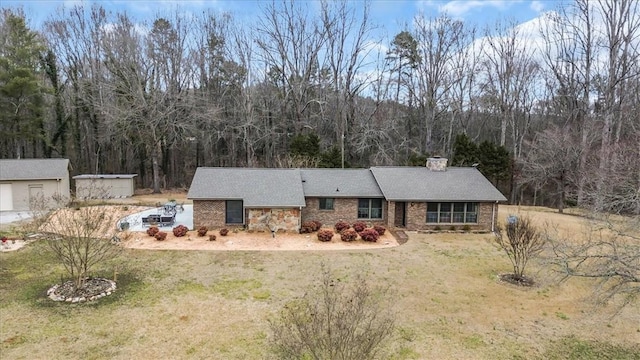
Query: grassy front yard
column 173, row 304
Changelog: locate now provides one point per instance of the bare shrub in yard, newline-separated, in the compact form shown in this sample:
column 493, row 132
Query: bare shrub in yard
column 348, row 235
column 335, row 320
column 80, row 240
column 521, row 241
column 325, row 235
column 160, row 236
column 224, row 232
column 212, row 238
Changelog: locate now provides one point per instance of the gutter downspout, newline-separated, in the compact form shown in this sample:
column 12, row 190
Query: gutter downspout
column 493, row 217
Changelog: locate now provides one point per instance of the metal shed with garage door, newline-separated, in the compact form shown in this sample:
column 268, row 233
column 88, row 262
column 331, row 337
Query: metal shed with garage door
column 104, row 186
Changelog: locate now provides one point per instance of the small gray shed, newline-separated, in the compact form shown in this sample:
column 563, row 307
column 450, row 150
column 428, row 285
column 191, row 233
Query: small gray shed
column 104, row 186
column 26, row 182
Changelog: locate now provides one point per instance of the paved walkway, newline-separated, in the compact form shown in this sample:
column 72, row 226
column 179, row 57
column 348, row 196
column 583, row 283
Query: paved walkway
column 8, row 217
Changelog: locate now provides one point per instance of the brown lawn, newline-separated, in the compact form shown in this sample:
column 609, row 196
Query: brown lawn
column 216, row 304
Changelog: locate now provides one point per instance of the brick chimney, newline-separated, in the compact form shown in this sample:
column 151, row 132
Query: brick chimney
column 437, row 163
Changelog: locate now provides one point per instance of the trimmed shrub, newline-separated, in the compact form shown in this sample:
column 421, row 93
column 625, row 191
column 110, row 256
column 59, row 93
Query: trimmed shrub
column 212, row 238
column 180, row 231
column 308, row 227
column 359, row 226
column 202, row 230
column 379, row 229
column 369, row 235
column 325, row 235
column 348, row 235
column 317, row 225
column 160, row 235
column 224, row 232
column 152, row 231
column 342, row 225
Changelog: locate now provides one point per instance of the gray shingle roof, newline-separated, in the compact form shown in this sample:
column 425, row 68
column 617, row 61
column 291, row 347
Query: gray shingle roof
column 256, row 187
column 420, row 183
column 33, row 169
column 339, row 183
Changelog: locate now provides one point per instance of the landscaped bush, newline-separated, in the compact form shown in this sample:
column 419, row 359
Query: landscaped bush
column 212, row 238
column 342, row 225
column 160, row 235
column 224, row 232
column 202, row 230
column 308, row 227
column 180, row 231
column 325, row 235
column 317, row 225
column 369, row 235
column 379, row 229
column 348, row 235
column 152, row 231
column 359, row 226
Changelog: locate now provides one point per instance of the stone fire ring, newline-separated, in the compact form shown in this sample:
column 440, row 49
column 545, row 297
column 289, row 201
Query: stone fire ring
column 95, row 288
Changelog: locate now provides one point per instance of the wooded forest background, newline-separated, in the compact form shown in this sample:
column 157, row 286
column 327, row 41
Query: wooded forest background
column 552, row 121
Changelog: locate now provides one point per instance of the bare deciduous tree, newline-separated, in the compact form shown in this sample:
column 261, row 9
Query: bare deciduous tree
column 334, row 320
column 607, row 251
column 81, row 239
column 521, row 241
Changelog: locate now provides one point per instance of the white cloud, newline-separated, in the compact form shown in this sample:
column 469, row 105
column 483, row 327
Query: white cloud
column 458, row 8
column 537, row 6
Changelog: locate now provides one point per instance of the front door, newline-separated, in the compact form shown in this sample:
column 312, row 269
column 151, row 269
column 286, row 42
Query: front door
column 401, row 214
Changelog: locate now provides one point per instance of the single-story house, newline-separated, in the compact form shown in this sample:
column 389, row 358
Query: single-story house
column 29, row 183
column 411, row 198
column 105, row 186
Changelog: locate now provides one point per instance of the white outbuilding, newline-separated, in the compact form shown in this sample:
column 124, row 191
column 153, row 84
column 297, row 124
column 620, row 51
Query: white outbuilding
column 29, row 183
column 105, row 186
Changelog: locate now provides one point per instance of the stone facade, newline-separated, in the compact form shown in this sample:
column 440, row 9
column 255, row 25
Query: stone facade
column 344, row 209
column 275, row 220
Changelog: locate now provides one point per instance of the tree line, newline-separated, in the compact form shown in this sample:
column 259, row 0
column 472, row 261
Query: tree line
column 551, row 119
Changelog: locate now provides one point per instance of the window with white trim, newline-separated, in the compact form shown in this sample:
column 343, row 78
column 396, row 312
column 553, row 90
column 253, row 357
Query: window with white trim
column 452, row 213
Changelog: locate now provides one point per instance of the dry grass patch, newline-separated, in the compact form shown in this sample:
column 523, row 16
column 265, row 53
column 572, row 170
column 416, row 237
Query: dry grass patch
column 208, row 304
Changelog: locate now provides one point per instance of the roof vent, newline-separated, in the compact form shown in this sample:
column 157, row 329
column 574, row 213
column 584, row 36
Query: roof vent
column 437, row 163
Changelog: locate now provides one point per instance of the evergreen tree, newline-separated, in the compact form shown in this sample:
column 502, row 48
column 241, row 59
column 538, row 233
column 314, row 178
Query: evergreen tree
column 465, row 151
column 22, row 129
column 494, row 161
column 305, row 145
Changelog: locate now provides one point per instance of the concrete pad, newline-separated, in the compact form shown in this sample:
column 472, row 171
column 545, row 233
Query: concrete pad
column 182, row 218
